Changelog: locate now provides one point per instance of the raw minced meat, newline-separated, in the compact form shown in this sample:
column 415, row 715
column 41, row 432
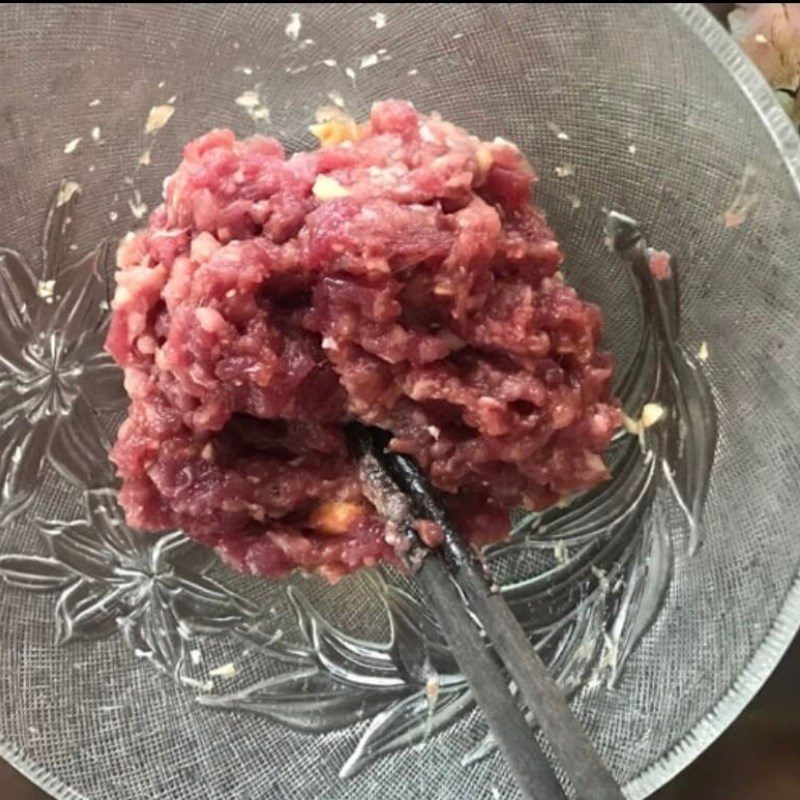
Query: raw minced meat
column 399, row 275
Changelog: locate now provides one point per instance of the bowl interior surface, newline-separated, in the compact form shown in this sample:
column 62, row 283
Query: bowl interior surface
column 662, row 120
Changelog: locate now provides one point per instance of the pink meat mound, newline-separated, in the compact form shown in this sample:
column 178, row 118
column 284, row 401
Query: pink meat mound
column 400, row 277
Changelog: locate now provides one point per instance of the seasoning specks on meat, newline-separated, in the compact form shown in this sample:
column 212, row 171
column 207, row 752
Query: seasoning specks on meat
column 400, row 276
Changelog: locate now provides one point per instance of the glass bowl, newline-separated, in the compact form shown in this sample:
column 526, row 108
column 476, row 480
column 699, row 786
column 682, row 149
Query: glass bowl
column 137, row 666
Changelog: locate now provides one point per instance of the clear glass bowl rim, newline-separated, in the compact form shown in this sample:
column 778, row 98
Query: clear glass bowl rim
column 699, row 23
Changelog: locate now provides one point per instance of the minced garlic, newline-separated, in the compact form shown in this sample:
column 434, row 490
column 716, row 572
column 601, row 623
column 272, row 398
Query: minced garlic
column 158, row 117
column 326, row 188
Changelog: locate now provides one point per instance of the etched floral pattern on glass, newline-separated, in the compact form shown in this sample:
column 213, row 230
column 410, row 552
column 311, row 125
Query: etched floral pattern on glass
column 586, row 581
column 53, row 371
